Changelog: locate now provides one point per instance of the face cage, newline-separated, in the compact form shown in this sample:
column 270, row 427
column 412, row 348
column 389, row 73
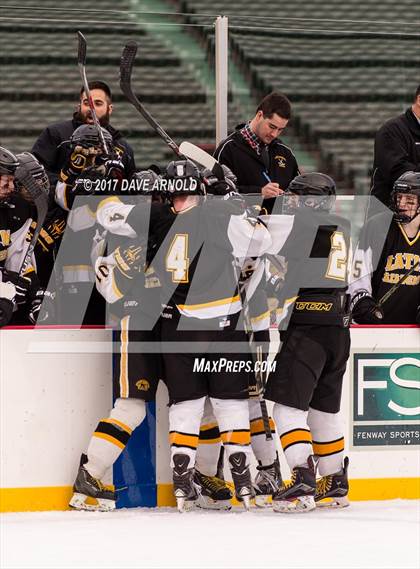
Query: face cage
column 401, row 217
column 320, row 203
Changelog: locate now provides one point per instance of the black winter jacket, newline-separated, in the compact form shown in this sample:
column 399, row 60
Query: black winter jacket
column 53, row 144
column 397, row 150
column 249, row 168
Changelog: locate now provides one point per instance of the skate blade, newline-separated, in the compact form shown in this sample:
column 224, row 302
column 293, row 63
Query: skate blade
column 337, row 502
column 263, row 501
column 246, row 502
column 298, row 506
column 207, row 503
column 83, row 502
column 184, row 505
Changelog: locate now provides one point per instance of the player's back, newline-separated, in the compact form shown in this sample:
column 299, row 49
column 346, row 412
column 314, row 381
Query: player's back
column 194, row 259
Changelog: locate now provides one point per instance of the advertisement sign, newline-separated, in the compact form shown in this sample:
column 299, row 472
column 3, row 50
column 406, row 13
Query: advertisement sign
column 386, row 399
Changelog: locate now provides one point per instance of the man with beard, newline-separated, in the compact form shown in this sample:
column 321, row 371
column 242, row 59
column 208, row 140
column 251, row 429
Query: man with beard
column 53, row 149
column 53, row 144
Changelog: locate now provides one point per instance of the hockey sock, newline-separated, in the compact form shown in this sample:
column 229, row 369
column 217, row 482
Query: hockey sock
column 112, row 434
column 209, row 443
column 328, row 440
column 233, row 419
column 264, row 450
column 184, row 427
column 295, row 436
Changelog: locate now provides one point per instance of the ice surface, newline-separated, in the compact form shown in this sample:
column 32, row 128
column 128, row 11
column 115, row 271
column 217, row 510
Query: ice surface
column 365, row 535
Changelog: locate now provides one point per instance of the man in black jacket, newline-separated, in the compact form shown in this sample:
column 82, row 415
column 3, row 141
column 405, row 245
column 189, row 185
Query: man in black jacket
column 397, row 150
column 255, row 154
column 53, row 144
column 53, row 149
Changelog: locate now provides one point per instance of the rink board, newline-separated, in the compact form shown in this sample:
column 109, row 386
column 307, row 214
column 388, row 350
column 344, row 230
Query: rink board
column 55, row 384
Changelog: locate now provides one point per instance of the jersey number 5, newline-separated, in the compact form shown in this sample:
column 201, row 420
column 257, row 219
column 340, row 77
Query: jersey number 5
column 337, row 259
column 177, row 261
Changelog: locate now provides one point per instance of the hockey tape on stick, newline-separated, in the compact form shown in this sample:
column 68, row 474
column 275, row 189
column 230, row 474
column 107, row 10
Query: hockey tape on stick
column 126, row 67
column 197, row 154
column 40, row 199
column 81, row 60
column 201, row 157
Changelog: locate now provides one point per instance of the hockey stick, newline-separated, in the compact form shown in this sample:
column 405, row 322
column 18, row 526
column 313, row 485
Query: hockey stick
column 126, row 67
column 40, row 198
column 197, row 154
column 81, row 60
column 397, row 285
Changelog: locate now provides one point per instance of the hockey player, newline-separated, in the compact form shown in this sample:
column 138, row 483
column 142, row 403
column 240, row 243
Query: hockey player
column 20, row 293
column 251, row 273
column 87, row 173
column 52, row 148
column 307, row 380
column 387, row 254
column 121, row 278
column 204, row 308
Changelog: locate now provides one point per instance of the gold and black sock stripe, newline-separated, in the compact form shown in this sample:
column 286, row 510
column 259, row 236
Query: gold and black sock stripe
column 328, row 448
column 113, row 431
column 209, row 434
column 295, row 437
column 236, row 437
column 188, row 440
column 257, row 426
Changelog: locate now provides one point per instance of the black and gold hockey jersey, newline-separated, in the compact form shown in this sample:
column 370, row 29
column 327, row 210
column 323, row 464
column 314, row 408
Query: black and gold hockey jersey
column 16, row 216
column 195, row 251
column 317, row 253
column 384, row 255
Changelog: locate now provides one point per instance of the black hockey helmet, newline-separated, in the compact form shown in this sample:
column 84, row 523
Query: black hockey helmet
column 8, row 162
column 319, row 188
column 407, row 183
column 28, row 164
column 182, row 178
column 87, row 136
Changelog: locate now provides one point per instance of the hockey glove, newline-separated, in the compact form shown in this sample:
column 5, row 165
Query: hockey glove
column 46, row 300
column 23, row 285
column 80, row 159
column 365, row 310
column 7, row 296
column 110, row 169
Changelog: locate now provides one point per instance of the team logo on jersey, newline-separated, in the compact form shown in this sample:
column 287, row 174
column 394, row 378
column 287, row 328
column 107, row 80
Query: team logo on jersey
column 281, row 161
column 143, row 385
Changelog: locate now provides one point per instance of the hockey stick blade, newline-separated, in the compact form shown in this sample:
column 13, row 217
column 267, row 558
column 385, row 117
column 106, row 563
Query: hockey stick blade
column 126, row 68
column 41, row 202
column 197, row 154
column 81, row 60
column 81, row 52
column 203, row 158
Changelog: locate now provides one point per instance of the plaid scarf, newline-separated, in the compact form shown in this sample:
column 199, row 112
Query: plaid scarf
column 251, row 138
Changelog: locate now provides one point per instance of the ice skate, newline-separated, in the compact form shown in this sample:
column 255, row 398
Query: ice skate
column 267, row 482
column 241, row 476
column 213, row 492
column 332, row 490
column 299, row 494
column 89, row 493
column 185, row 490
